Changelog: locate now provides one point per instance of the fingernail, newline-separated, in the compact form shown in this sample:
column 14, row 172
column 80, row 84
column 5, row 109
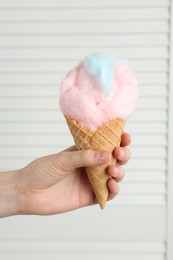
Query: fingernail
column 103, row 156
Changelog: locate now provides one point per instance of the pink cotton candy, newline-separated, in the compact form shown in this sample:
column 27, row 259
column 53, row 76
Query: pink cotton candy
column 82, row 98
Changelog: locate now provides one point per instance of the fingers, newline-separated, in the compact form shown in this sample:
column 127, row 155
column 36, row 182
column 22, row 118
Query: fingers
column 113, row 188
column 93, row 158
column 86, row 158
column 122, row 155
column 125, row 140
column 117, row 172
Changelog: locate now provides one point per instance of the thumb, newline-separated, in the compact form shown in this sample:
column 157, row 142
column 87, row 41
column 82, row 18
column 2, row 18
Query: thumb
column 84, row 158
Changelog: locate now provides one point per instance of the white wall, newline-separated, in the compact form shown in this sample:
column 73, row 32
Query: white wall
column 39, row 42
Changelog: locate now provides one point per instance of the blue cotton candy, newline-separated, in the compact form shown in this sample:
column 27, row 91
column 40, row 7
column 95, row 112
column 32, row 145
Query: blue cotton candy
column 102, row 66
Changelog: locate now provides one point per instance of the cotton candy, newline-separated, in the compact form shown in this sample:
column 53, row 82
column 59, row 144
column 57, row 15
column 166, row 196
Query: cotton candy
column 98, row 90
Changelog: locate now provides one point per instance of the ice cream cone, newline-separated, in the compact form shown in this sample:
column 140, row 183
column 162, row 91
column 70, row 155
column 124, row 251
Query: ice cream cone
column 106, row 138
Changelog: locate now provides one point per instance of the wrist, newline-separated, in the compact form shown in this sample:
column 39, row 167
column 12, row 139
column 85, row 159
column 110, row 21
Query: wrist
column 10, row 199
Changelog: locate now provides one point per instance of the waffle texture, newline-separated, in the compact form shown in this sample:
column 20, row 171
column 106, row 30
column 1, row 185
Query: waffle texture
column 106, row 138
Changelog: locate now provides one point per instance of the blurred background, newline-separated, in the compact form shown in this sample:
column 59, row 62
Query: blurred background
column 39, row 42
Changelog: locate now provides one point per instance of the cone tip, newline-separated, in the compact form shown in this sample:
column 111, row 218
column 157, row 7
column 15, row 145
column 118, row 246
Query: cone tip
column 102, row 204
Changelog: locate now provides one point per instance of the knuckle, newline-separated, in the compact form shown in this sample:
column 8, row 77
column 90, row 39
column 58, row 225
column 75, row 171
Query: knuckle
column 83, row 156
column 122, row 172
column 125, row 156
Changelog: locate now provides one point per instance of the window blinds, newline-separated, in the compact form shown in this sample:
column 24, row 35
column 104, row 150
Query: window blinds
column 39, row 42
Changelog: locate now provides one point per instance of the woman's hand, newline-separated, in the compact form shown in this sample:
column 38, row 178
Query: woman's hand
column 58, row 183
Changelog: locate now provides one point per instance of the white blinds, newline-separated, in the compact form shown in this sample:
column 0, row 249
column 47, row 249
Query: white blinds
column 39, row 42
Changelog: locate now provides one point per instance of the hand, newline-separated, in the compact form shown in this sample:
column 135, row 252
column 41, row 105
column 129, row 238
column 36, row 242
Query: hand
column 58, row 183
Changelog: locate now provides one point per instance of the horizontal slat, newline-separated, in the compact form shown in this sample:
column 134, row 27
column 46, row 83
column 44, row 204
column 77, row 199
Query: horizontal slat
column 64, row 256
column 29, row 115
column 53, row 103
column 61, row 128
column 99, row 250
column 147, row 164
column 77, row 3
column 138, row 200
column 56, row 78
column 83, row 14
column 149, row 115
column 147, row 128
column 90, row 40
column 29, row 103
column 150, row 65
column 53, row 140
column 54, row 115
column 66, row 65
column 29, row 91
column 85, row 246
column 16, row 162
column 27, row 151
column 43, row 90
column 153, row 78
column 152, row 103
column 46, row 66
column 84, row 27
column 52, row 53
column 149, row 152
column 144, row 176
column 34, row 128
column 148, row 139
column 150, row 90
column 142, row 188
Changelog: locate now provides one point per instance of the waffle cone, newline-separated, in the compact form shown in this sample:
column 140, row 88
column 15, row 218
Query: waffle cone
column 106, row 138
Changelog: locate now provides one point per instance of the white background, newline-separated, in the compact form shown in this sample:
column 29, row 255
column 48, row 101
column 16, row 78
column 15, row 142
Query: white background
column 39, row 42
